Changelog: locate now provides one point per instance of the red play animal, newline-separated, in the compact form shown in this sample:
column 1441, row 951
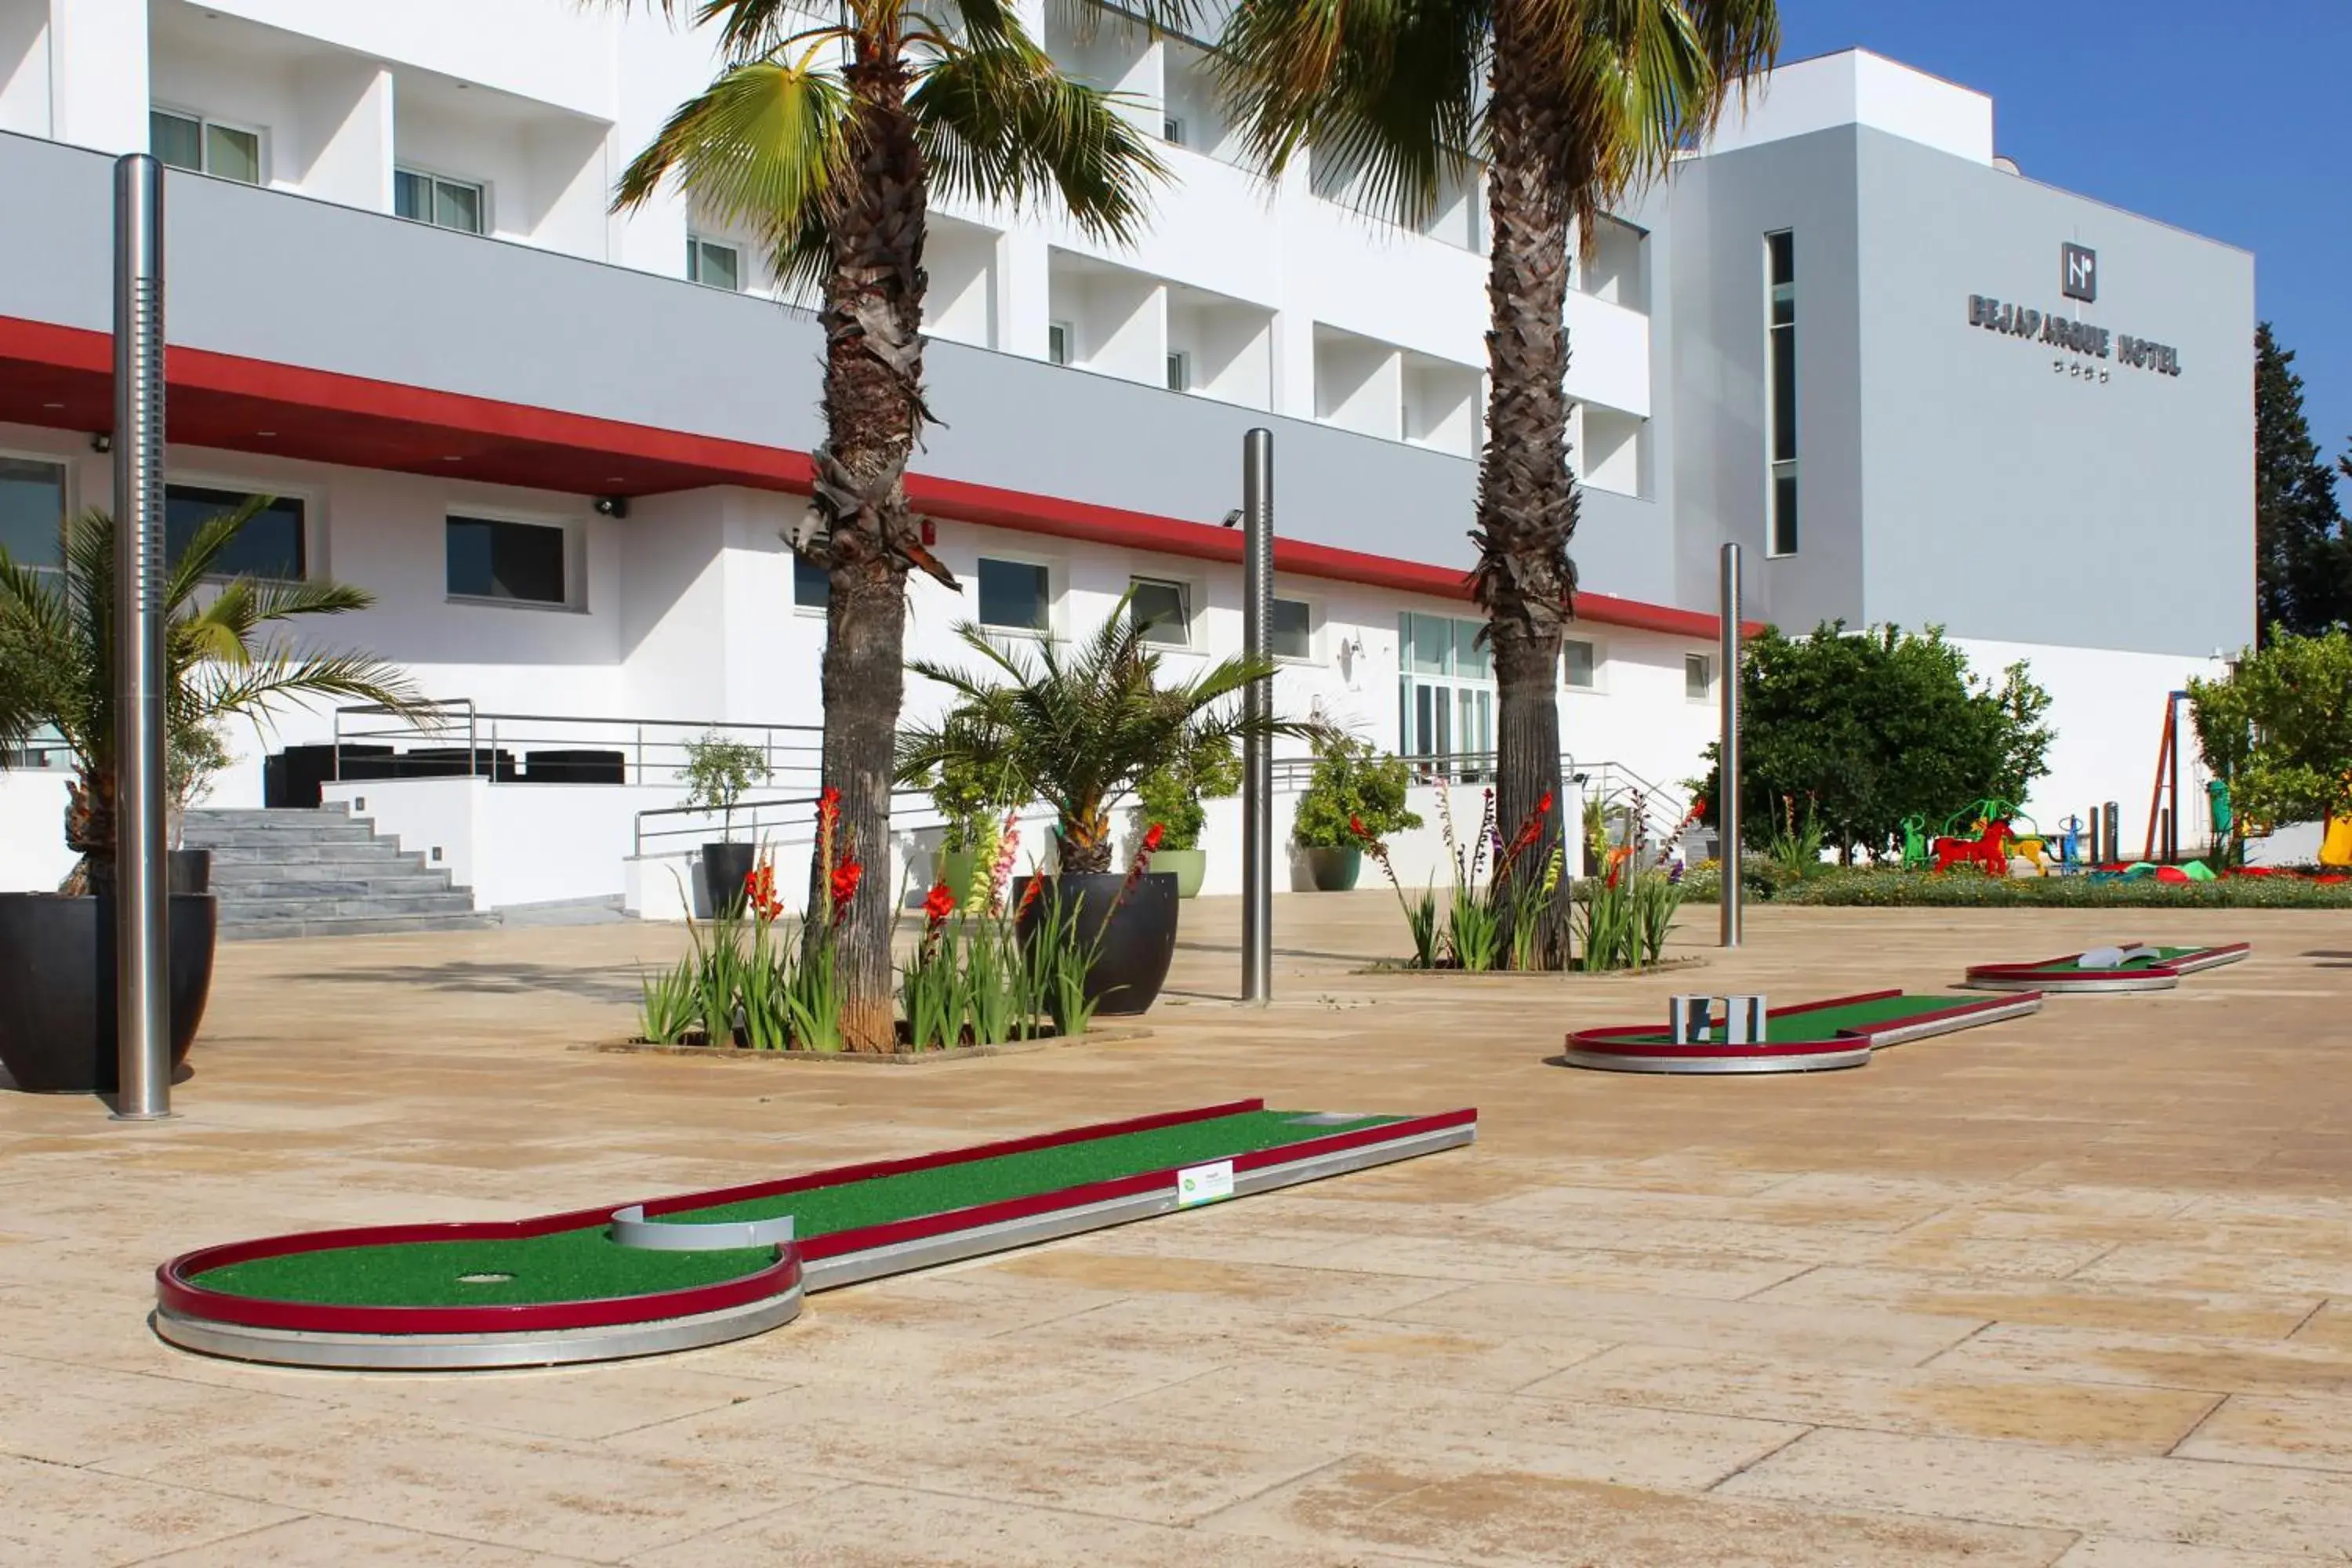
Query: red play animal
column 1989, row 851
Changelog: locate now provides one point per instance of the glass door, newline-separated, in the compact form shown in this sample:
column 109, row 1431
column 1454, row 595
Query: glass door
column 1446, row 712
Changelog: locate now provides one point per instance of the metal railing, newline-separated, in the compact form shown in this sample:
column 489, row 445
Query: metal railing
column 675, row 829
column 498, row 746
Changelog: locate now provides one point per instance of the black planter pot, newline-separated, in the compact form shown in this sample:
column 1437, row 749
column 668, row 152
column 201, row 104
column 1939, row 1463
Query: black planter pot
column 724, row 867
column 1131, row 964
column 184, row 871
column 1335, row 869
column 56, row 1013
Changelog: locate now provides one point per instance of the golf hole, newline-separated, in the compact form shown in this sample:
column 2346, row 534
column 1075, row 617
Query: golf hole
column 486, row 1279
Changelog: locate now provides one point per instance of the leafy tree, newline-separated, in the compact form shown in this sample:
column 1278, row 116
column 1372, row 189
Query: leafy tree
column 2303, row 559
column 1857, row 730
column 1080, row 726
column 227, row 657
column 1355, row 793
column 828, row 141
column 720, row 771
column 1570, row 107
column 2278, row 731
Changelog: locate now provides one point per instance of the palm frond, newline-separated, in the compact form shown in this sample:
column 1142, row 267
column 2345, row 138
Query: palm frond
column 998, row 122
column 767, row 147
column 197, row 560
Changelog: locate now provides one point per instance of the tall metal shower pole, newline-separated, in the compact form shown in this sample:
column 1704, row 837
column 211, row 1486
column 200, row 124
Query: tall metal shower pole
column 1727, row 810
column 1257, row 751
column 142, row 988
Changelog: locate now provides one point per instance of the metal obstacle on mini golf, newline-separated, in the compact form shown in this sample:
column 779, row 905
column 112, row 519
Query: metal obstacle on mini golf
column 701, row 1269
column 2127, row 966
column 1746, row 1035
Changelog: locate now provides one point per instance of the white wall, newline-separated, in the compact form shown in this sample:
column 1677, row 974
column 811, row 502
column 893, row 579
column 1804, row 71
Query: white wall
column 1855, row 87
column 510, row 844
column 33, row 852
column 24, row 67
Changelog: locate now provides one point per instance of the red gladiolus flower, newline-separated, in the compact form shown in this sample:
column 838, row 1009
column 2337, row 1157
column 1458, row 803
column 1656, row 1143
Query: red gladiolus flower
column 1151, row 838
column 1543, row 807
column 759, row 891
column 1029, row 896
column 844, row 887
column 1355, row 826
column 938, row 906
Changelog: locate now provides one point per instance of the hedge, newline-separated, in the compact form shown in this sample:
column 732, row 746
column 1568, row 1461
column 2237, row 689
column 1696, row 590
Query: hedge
column 1841, row 887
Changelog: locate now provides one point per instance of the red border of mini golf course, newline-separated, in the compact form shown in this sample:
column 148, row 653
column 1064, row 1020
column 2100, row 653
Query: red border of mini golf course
column 1617, row 1040
column 2047, row 969
column 176, row 1291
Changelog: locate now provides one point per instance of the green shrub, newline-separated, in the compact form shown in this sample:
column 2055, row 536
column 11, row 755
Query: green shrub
column 1352, row 783
column 1170, row 795
column 1861, row 888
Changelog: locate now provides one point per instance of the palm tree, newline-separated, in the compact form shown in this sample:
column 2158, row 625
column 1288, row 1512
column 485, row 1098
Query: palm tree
column 1078, row 728
column 1569, row 106
column 223, row 659
column 828, row 142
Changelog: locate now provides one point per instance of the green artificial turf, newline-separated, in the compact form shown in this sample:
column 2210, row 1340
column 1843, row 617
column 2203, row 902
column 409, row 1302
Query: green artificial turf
column 578, row 1264
column 1823, row 1023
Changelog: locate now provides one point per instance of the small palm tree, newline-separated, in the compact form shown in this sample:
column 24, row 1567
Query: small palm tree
column 223, row 659
column 1079, row 728
column 1569, row 106
column 828, row 142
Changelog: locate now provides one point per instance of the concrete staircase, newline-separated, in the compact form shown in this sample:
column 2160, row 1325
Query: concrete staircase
column 317, row 872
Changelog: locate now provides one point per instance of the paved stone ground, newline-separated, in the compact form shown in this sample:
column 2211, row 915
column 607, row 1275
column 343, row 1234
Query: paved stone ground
column 2076, row 1290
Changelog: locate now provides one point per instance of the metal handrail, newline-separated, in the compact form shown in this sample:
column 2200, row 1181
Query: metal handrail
column 653, row 751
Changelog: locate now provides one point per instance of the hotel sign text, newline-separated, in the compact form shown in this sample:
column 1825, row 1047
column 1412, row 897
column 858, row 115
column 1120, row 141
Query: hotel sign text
column 2092, row 342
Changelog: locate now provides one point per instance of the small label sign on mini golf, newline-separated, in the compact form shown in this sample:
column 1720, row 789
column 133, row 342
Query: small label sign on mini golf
column 1204, row 1183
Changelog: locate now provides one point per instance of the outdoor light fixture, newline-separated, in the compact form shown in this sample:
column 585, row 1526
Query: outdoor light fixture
column 612, row 506
column 1233, row 519
column 101, row 442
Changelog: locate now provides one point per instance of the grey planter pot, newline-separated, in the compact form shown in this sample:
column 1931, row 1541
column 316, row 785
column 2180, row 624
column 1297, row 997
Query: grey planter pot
column 1335, row 869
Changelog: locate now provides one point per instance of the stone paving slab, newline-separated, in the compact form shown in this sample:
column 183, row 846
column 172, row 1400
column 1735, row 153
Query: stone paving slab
column 2073, row 1290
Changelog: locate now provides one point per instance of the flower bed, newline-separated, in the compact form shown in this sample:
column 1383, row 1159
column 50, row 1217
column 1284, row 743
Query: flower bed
column 1859, row 888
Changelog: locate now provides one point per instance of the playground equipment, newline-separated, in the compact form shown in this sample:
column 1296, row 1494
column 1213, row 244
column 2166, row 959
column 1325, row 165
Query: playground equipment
column 2336, row 841
column 2126, row 966
column 1744, row 1036
column 1996, row 838
column 2164, row 799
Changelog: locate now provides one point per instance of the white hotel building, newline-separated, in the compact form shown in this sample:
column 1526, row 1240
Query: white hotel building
column 397, row 301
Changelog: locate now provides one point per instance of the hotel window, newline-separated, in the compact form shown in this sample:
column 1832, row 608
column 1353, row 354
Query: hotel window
column 1698, row 676
column 1780, row 271
column 1580, row 662
column 1162, row 609
column 270, row 544
column 205, row 147
column 1292, row 636
column 1014, row 596
column 812, row 584
column 1447, row 694
column 32, row 505
column 1179, row 372
column 519, row 562
column 442, row 202
column 1057, row 343
column 1171, row 130
column 713, row 263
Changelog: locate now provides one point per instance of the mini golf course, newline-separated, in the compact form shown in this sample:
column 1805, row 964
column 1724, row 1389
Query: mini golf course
column 1811, row 1036
column 2126, row 967
column 700, row 1269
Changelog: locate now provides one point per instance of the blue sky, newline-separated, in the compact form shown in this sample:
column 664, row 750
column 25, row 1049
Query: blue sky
column 2242, row 132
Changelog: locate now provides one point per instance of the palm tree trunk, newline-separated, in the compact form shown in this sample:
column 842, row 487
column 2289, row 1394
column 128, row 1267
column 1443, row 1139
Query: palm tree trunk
column 1526, row 500
column 90, row 832
column 872, row 317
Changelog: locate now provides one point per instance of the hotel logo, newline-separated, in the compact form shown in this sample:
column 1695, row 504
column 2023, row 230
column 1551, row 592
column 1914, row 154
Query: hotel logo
column 2082, row 272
